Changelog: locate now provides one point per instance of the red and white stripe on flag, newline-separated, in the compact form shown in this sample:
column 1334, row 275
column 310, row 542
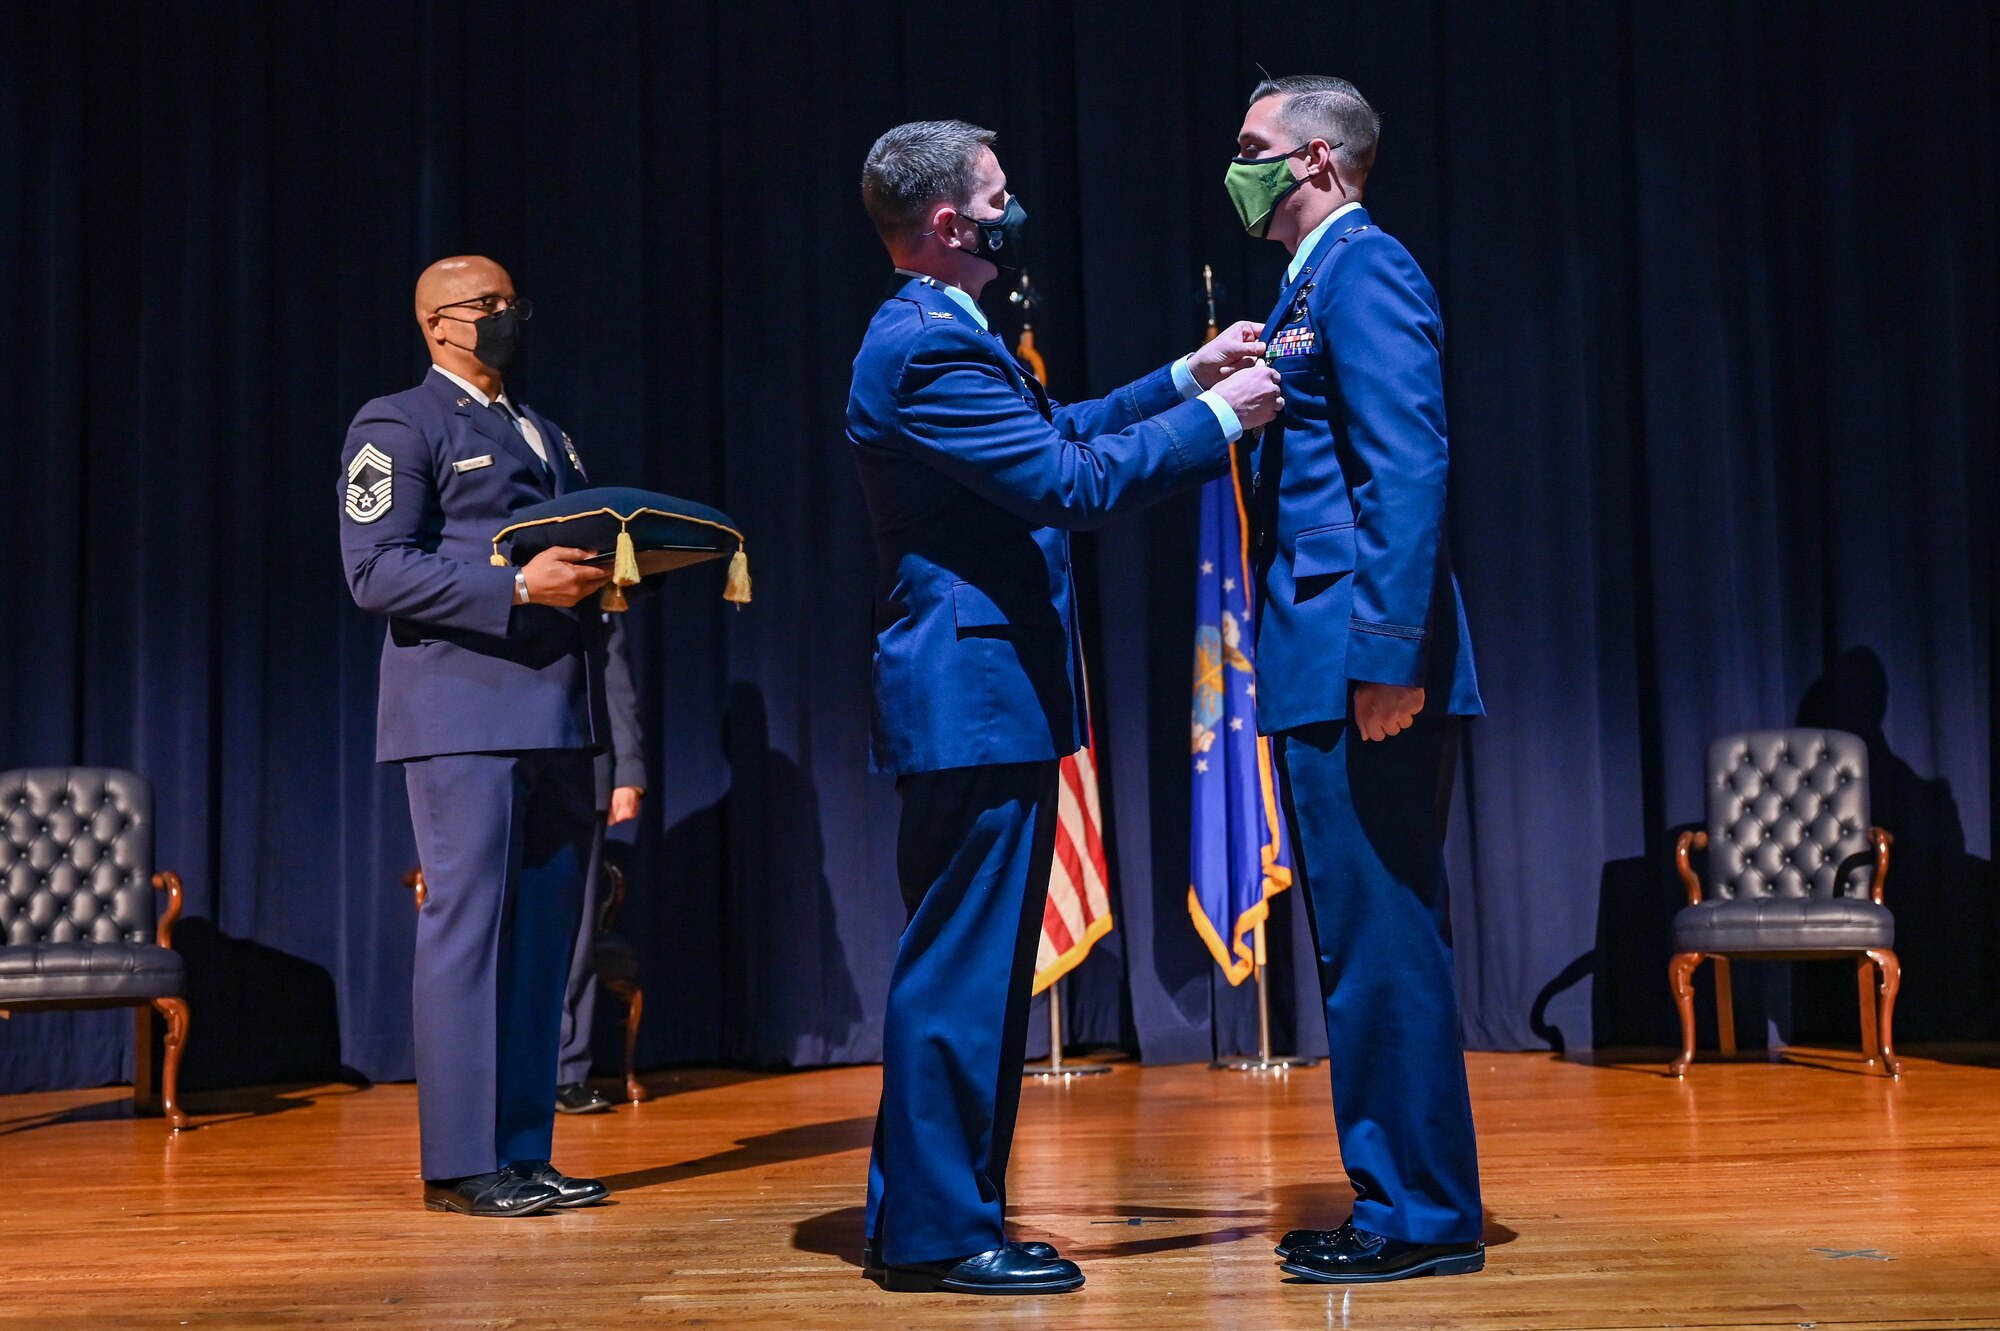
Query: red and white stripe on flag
column 1079, row 909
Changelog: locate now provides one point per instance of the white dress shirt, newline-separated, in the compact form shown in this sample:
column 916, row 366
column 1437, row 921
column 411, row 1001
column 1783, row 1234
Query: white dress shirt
column 1306, row 246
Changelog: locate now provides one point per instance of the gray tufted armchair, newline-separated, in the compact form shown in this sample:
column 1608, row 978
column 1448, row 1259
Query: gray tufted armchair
column 1795, row 873
column 78, row 927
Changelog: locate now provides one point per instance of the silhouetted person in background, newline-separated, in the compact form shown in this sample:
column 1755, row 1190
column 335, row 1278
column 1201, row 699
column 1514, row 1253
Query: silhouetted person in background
column 1943, row 908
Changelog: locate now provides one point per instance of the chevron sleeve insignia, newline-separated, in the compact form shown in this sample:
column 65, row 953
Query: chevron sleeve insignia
column 371, row 480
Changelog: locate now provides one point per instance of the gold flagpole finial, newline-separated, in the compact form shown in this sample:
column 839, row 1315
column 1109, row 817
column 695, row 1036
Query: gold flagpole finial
column 1024, row 296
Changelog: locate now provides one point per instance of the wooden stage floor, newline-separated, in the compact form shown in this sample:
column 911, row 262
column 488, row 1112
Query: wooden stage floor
column 1756, row 1195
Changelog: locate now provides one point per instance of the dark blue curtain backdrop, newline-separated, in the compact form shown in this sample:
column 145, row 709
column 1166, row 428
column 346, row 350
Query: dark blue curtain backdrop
column 1720, row 288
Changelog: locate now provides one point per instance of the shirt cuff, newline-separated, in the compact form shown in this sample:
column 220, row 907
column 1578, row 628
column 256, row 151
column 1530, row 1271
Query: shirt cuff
column 1184, row 381
column 1225, row 415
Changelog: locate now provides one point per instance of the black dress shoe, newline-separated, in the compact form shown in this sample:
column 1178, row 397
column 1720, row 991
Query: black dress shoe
column 569, row 1191
column 1356, row 1257
column 871, row 1252
column 576, row 1098
column 1295, row 1239
column 499, row 1193
column 1006, row 1270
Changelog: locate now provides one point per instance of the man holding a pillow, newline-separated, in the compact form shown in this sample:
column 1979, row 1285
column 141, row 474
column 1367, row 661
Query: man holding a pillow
column 492, row 702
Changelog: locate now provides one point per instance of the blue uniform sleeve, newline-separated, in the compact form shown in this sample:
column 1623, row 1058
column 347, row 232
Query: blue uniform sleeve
column 965, row 417
column 621, row 699
column 1137, row 401
column 1386, row 347
column 390, row 571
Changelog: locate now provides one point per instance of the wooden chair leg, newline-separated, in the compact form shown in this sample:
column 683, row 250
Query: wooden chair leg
column 1680, row 976
column 1725, row 1009
column 1891, row 969
column 1864, row 983
column 145, row 1078
column 635, row 1006
column 175, row 1010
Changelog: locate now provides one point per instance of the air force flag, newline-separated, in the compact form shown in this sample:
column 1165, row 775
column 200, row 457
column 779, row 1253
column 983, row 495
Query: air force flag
column 1239, row 857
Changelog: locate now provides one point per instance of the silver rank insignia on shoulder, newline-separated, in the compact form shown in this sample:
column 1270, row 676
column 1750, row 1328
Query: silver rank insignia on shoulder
column 941, row 314
column 371, row 480
column 574, row 460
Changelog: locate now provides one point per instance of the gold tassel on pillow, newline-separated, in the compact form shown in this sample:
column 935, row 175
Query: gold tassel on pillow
column 737, row 589
column 624, row 572
column 625, row 569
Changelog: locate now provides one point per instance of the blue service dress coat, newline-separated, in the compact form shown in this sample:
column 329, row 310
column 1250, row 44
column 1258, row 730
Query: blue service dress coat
column 1348, row 491
column 974, row 480
column 427, row 476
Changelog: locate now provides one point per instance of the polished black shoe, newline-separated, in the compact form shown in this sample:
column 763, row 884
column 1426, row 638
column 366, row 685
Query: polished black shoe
column 871, row 1252
column 576, row 1098
column 1356, row 1257
column 569, row 1191
column 1295, row 1239
column 499, row 1193
column 1006, row 1270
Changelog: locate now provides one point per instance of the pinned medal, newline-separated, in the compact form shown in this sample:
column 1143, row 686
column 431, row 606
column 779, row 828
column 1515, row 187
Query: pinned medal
column 574, row 460
column 638, row 535
column 1297, row 340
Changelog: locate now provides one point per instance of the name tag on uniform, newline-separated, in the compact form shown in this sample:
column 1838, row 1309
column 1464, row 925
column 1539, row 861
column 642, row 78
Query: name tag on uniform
column 473, row 464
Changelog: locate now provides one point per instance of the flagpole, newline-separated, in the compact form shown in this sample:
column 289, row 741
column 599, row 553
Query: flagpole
column 1054, row 1067
column 1264, row 1060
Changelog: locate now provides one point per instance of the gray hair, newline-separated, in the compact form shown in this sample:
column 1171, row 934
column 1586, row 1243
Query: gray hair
column 914, row 166
column 1317, row 106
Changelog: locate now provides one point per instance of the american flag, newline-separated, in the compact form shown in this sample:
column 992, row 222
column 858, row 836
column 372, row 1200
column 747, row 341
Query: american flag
column 1079, row 909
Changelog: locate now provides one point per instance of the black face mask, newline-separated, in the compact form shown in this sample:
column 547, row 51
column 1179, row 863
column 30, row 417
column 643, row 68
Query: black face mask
column 1000, row 238
column 497, row 337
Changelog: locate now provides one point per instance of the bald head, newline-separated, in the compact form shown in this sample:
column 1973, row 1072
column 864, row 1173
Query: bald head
column 462, row 277
column 456, row 303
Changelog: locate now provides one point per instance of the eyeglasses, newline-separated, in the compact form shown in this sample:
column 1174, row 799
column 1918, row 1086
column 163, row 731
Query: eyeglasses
column 490, row 304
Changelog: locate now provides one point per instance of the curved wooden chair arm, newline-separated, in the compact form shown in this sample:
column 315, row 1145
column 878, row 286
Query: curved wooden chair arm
column 166, row 880
column 414, row 880
column 617, row 898
column 1881, row 838
column 1690, row 841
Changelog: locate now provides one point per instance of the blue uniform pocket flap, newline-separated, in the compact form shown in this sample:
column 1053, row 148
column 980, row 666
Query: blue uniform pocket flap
column 1324, row 552
column 1001, row 606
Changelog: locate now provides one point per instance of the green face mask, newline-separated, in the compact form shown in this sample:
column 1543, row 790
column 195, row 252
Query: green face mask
column 1257, row 185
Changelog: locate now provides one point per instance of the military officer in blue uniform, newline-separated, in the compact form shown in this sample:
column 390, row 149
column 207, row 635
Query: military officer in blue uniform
column 492, row 702
column 1364, row 667
column 619, row 777
column 973, row 480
